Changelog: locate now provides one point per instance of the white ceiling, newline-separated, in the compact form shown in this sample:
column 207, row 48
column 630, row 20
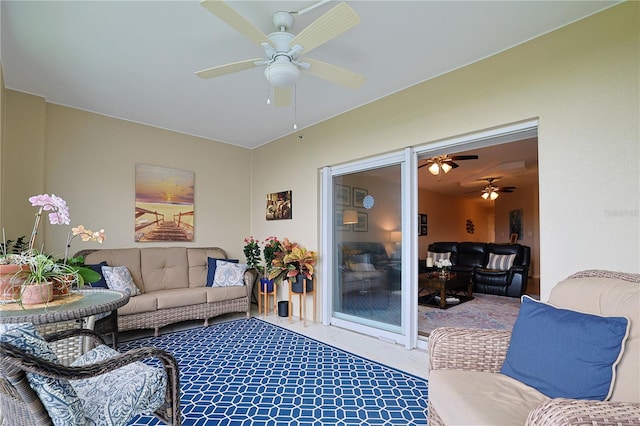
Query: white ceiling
column 135, row 60
column 510, row 164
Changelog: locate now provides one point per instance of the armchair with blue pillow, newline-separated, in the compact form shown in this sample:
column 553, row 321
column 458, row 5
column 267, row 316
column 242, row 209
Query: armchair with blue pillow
column 572, row 361
column 101, row 387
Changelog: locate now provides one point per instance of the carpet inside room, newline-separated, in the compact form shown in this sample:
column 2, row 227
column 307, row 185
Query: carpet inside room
column 250, row 372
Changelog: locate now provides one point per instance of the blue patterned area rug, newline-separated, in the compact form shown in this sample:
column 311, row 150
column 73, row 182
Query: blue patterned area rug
column 250, row 372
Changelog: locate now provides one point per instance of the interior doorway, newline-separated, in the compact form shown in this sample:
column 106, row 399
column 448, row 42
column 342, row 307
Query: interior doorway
column 453, row 199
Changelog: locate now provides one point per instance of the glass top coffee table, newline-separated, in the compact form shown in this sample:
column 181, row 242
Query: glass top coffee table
column 80, row 304
column 444, row 292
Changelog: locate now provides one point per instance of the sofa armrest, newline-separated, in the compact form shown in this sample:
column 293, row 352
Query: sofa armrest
column 468, row 349
column 561, row 412
column 250, row 277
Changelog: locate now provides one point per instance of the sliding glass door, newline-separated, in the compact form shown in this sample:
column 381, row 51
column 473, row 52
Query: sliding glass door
column 368, row 236
column 367, row 284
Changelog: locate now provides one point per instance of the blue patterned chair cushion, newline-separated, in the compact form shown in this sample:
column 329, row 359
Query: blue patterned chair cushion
column 57, row 395
column 113, row 398
column 229, row 274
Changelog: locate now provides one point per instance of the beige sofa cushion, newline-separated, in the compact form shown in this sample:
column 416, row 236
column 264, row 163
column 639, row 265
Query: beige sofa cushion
column 198, row 263
column 221, row 294
column 138, row 304
column 609, row 297
column 164, row 268
column 478, row 398
column 180, row 297
column 129, row 257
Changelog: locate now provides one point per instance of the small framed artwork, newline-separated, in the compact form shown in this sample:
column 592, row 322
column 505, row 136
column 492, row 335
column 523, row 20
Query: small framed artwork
column 363, row 223
column 343, row 195
column 358, row 196
column 514, row 238
column 278, row 206
column 340, row 226
column 422, row 225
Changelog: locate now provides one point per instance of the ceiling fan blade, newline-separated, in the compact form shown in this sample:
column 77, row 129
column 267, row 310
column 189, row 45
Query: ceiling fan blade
column 507, row 188
column 452, row 164
column 330, row 25
column 228, row 68
column 464, row 157
column 236, row 21
column 281, row 96
column 334, row 74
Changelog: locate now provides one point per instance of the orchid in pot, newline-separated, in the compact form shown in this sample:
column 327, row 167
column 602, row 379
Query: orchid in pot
column 41, row 270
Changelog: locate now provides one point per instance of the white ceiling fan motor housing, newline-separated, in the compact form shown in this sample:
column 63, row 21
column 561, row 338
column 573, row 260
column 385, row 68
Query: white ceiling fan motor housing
column 282, row 72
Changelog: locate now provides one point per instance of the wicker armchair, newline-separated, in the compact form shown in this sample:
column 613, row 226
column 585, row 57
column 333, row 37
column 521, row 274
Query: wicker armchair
column 468, row 355
column 21, row 405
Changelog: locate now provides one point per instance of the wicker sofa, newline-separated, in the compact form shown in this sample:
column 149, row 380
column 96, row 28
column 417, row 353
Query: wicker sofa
column 465, row 381
column 172, row 285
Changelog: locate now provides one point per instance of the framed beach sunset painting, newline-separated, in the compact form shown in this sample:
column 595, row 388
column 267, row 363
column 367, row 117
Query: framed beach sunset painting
column 164, row 204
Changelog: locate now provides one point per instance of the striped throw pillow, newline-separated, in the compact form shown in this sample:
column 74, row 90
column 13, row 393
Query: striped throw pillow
column 501, row 262
column 439, row 256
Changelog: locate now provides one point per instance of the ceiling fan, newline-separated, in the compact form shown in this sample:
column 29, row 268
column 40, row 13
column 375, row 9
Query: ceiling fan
column 491, row 191
column 444, row 163
column 283, row 50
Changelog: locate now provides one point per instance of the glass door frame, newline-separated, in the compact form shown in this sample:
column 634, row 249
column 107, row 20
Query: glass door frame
column 407, row 159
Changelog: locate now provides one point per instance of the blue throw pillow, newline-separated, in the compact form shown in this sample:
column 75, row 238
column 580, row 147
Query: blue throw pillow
column 211, row 268
column 101, row 283
column 563, row 353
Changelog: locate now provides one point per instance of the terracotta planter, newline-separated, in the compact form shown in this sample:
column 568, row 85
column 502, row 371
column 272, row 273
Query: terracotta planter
column 62, row 285
column 9, row 283
column 36, row 293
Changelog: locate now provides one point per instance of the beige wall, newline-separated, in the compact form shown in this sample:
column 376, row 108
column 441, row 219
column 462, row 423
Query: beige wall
column 90, row 163
column 23, row 161
column 580, row 81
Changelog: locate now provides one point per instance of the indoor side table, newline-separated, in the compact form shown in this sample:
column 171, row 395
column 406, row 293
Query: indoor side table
column 454, row 283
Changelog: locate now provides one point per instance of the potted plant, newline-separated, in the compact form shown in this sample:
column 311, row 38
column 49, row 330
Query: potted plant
column 271, row 246
column 295, row 263
column 37, row 280
column 38, row 269
column 10, row 263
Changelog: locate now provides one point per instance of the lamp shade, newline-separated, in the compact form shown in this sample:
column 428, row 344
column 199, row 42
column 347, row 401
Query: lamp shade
column 282, row 74
column 395, row 236
column 349, row 217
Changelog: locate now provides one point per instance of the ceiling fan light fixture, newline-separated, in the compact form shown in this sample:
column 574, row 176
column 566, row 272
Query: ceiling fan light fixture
column 485, row 195
column 282, row 74
column 446, row 167
column 493, row 195
column 434, row 169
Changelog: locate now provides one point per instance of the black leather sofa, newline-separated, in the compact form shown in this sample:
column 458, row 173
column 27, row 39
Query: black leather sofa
column 473, row 258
